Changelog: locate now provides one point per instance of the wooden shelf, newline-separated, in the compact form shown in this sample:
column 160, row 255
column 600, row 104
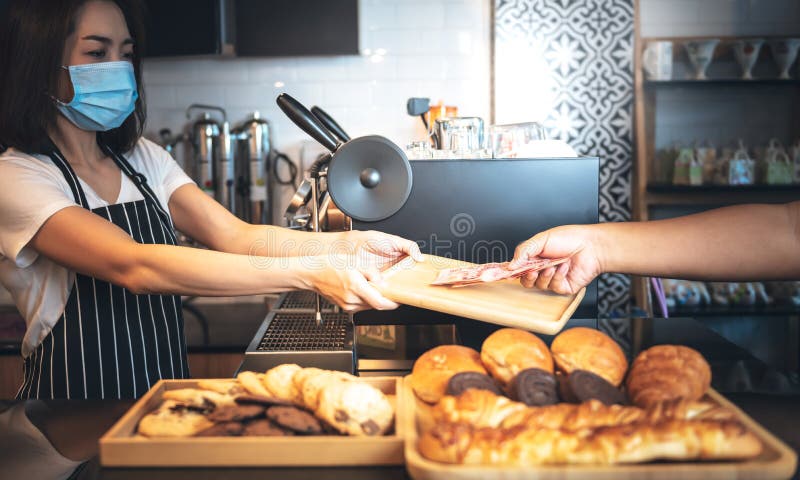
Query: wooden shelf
column 667, row 194
column 757, row 188
column 720, row 82
column 735, row 311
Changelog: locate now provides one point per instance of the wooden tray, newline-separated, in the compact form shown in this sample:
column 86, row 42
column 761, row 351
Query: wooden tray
column 121, row 446
column 777, row 461
column 504, row 302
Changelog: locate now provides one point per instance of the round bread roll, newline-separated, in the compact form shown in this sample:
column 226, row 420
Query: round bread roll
column 582, row 348
column 433, row 369
column 509, row 351
column 668, row 372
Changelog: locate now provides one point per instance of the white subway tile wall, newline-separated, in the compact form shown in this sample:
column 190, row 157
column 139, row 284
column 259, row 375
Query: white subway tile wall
column 429, row 48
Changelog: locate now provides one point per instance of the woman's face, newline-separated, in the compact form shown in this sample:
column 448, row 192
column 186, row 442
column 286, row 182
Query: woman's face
column 101, row 35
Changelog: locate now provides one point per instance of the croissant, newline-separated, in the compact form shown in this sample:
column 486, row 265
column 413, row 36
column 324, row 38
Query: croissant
column 524, row 446
column 482, row 408
column 476, row 407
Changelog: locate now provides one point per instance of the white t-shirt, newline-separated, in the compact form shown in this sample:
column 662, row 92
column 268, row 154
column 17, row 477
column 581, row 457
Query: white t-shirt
column 32, row 189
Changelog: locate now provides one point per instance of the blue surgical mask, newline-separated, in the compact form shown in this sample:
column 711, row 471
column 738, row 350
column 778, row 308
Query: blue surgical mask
column 105, row 95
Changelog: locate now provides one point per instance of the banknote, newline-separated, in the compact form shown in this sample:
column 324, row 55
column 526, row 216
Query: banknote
column 492, row 272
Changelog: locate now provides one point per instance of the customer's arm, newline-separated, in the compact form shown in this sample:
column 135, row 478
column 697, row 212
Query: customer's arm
column 745, row 242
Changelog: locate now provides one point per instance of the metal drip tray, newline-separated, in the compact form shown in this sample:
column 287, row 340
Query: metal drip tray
column 299, row 331
column 295, row 337
column 304, row 300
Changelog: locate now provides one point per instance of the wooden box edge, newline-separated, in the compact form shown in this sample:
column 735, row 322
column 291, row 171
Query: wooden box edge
column 420, row 468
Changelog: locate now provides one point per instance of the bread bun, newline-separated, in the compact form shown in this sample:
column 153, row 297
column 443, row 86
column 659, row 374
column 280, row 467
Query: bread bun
column 668, row 372
column 508, row 351
column 582, row 348
column 433, row 369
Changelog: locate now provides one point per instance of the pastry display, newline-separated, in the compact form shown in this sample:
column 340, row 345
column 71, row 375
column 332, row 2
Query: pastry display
column 508, row 351
column 667, row 372
column 588, row 349
column 273, row 404
column 433, row 369
column 592, row 410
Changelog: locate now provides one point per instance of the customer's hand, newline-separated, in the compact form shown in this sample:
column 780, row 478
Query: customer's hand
column 354, row 260
column 573, row 241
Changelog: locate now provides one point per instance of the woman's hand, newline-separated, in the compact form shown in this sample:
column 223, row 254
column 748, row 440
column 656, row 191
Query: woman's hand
column 353, row 260
column 377, row 250
column 573, row 241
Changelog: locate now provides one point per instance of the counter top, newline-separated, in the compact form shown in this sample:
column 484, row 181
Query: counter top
column 73, row 427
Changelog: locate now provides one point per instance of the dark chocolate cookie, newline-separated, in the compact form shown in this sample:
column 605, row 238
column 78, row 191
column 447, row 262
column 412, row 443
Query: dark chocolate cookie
column 587, row 385
column 295, row 419
column 460, row 382
column 535, row 387
column 237, row 413
column 261, row 400
column 262, row 427
column 224, row 429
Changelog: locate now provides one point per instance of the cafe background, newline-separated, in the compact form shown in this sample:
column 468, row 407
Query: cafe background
column 567, row 64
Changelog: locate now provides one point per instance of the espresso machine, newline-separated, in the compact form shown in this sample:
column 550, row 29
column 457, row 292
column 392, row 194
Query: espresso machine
column 476, row 209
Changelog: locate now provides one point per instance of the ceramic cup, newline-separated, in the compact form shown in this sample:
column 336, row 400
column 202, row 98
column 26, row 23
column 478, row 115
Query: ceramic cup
column 657, row 60
column 746, row 51
column 784, row 52
column 700, row 54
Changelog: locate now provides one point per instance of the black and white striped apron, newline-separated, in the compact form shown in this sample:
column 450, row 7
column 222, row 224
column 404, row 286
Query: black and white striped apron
column 110, row 342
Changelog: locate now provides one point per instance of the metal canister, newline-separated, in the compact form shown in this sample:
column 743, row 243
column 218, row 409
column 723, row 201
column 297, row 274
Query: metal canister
column 213, row 155
column 205, row 133
column 253, row 169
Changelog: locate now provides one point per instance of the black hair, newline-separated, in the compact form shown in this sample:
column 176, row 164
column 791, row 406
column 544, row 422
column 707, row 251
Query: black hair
column 32, row 38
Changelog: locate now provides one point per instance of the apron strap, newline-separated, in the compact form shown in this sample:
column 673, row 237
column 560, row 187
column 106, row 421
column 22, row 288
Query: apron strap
column 141, row 183
column 69, row 175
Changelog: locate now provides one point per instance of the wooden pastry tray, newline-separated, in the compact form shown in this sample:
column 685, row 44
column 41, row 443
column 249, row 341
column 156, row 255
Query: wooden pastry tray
column 122, row 446
column 777, row 461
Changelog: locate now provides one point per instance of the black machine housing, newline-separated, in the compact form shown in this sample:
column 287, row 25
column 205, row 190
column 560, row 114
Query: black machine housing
column 479, row 210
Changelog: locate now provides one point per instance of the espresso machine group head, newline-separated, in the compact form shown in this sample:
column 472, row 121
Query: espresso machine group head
column 368, row 178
